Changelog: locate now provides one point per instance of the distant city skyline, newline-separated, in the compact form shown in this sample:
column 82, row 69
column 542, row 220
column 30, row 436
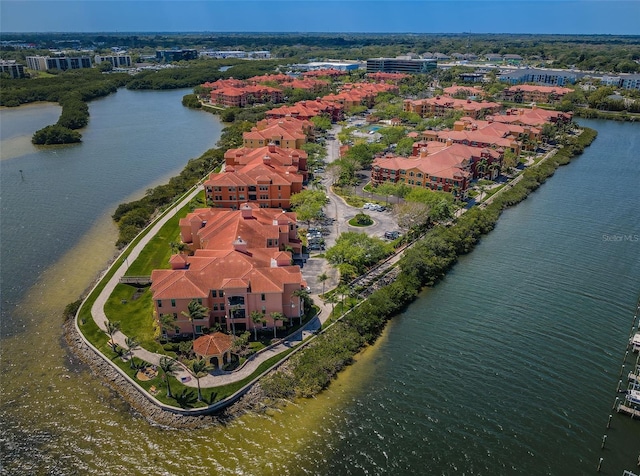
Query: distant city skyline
column 610, row 17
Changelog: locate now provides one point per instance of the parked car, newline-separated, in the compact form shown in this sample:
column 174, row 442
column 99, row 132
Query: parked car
column 391, row 235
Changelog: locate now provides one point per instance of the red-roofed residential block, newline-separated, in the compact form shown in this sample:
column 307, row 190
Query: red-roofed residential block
column 534, row 93
column 441, row 105
column 231, row 284
column 444, row 167
column 280, row 134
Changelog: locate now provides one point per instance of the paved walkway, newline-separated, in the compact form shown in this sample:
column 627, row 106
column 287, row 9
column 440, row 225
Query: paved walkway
column 313, row 267
column 217, row 377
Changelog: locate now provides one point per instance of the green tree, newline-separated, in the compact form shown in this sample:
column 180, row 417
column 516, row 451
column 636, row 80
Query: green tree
column 392, row 135
column 131, row 344
column 256, row 318
column 112, row 328
column 353, row 252
column 199, row 368
column 195, row 312
column 322, row 278
column 276, row 316
column 167, row 323
column 169, row 367
column 322, row 123
column 405, row 146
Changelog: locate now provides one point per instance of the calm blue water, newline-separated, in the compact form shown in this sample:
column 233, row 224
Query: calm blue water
column 510, row 365
column 134, row 140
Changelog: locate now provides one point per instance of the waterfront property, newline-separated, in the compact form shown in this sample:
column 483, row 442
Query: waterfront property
column 483, row 134
column 246, row 95
column 535, row 117
column 265, row 175
column 63, row 63
column 535, row 93
column 13, row 69
column 280, row 133
column 231, row 284
column 216, row 228
column 444, row 167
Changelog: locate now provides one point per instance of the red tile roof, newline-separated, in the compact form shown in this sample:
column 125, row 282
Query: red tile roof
column 213, row 344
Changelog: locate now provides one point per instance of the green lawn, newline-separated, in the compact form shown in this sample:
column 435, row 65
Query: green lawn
column 158, row 251
column 134, row 310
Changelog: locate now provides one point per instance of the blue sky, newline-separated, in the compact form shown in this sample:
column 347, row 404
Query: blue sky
column 375, row 16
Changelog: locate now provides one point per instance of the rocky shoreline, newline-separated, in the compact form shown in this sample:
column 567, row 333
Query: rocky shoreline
column 252, row 401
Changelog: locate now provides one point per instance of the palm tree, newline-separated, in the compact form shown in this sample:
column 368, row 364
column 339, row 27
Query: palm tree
column 177, row 247
column 322, row 278
column 132, row 344
column 232, row 314
column 493, row 167
column 168, row 366
column 199, row 368
column 333, row 300
column 167, row 323
column 195, row 311
column 257, row 318
column 481, row 168
column 343, row 290
column 303, row 294
column 276, row 316
column 112, row 328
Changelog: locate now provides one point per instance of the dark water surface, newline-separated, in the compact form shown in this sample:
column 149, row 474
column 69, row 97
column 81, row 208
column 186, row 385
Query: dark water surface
column 509, row 366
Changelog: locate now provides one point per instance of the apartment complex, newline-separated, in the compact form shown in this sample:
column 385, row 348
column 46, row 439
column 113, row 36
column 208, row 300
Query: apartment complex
column 280, row 133
column 117, row 61
column 239, row 265
column 441, row 105
column 245, row 95
column 444, row 167
column 401, row 65
column 176, row 55
column 44, row 63
column 535, row 93
column 13, row 69
column 265, row 175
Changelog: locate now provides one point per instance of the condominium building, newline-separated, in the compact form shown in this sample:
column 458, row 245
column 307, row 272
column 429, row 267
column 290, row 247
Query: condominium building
column 43, row 63
column 13, row 69
column 399, row 65
column 117, row 61
column 176, row 55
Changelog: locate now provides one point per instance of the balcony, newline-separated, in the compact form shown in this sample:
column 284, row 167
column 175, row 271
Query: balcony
column 236, row 300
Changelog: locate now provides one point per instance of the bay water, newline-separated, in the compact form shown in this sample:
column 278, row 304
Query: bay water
column 508, row 366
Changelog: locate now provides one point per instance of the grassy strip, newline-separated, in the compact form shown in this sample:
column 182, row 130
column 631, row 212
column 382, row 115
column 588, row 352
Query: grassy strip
column 186, row 397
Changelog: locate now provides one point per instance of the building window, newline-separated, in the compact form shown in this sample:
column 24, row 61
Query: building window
column 263, row 297
column 215, row 307
column 175, row 316
column 159, row 303
column 173, row 303
column 221, row 293
column 222, row 307
column 199, row 301
column 198, row 329
column 214, row 293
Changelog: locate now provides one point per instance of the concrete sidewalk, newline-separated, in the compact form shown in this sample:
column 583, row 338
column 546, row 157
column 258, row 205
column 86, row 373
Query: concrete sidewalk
column 217, row 377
